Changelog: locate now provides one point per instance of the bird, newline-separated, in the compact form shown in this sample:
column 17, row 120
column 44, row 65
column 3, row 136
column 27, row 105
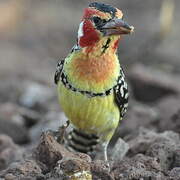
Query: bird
column 91, row 85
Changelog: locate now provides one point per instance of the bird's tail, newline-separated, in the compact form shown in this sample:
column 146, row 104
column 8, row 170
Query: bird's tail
column 81, row 142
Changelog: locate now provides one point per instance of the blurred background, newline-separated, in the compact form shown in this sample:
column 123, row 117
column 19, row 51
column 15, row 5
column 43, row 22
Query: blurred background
column 34, row 35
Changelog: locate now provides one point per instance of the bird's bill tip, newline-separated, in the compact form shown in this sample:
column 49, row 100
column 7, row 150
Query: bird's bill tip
column 117, row 27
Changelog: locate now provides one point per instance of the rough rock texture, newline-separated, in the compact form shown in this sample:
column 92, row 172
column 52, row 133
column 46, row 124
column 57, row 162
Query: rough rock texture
column 49, row 151
column 50, row 160
column 26, row 169
column 169, row 110
column 9, row 151
column 156, row 158
column 140, row 166
column 139, row 115
column 155, row 84
column 100, row 170
column 164, row 146
column 159, row 153
column 145, row 138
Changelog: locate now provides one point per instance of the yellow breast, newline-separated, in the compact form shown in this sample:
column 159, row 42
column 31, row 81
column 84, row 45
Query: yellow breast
column 98, row 115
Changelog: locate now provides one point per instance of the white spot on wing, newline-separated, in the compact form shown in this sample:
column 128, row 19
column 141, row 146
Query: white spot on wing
column 126, row 96
column 122, row 91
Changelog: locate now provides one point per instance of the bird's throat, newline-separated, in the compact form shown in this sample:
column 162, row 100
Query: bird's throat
column 107, row 45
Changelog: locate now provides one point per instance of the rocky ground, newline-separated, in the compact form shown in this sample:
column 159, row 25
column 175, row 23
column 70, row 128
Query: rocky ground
column 146, row 145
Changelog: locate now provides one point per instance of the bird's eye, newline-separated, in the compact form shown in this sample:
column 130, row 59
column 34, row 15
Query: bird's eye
column 97, row 20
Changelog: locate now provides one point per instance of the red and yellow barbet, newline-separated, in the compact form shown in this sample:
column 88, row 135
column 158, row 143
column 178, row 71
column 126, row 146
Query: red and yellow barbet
column 91, row 86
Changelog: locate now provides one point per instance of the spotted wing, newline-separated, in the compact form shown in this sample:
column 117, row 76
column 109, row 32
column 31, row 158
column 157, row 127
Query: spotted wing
column 121, row 94
column 58, row 72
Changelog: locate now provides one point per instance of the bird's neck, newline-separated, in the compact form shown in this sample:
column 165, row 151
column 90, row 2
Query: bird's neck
column 107, row 45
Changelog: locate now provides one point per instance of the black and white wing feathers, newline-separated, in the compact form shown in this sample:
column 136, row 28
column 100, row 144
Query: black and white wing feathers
column 58, row 72
column 121, row 94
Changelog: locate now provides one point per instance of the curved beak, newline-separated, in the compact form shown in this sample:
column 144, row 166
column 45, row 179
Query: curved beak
column 117, row 27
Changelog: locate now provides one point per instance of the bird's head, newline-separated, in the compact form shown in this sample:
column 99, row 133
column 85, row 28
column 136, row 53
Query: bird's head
column 101, row 20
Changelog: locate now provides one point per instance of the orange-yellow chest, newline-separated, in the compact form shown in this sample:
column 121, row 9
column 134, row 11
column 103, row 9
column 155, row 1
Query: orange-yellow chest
column 93, row 69
column 92, row 73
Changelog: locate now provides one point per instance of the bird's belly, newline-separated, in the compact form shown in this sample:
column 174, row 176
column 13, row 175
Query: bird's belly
column 98, row 115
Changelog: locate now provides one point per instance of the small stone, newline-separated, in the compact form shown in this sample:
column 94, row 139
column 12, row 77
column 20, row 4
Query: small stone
column 83, row 156
column 72, row 169
column 174, row 174
column 100, row 170
column 35, row 95
column 18, row 133
column 9, row 176
column 49, row 151
column 51, row 121
column 19, row 115
column 71, row 166
column 145, row 80
column 16, row 120
column 120, row 150
column 169, row 110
